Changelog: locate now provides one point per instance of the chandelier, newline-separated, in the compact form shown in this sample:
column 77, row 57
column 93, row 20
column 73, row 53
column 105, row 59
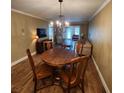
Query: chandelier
column 60, row 24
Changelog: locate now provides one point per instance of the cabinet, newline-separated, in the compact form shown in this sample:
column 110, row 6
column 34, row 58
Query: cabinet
column 87, row 48
column 39, row 45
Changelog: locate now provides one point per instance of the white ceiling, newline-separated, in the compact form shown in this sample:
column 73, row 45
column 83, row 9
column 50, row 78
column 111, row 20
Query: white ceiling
column 73, row 10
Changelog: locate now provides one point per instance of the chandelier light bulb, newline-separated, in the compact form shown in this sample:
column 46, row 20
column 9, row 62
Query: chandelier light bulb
column 51, row 23
column 60, row 24
column 67, row 23
column 57, row 22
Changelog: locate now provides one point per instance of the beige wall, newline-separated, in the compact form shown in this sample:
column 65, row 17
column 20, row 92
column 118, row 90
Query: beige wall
column 84, row 29
column 100, row 35
column 22, row 29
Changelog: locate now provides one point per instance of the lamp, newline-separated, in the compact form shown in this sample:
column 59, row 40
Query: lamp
column 34, row 37
column 60, row 24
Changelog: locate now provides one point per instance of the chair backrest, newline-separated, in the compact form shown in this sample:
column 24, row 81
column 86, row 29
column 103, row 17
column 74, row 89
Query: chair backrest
column 31, row 62
column 49, row 45
column 80, row 68
column 79, row 48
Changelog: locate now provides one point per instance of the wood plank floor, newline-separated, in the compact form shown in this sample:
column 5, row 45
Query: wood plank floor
column 22, row 79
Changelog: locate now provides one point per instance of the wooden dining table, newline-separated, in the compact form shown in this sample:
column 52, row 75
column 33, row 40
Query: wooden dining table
column 58, row 56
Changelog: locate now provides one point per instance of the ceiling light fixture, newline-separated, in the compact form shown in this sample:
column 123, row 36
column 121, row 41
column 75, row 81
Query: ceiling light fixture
column 61, row 23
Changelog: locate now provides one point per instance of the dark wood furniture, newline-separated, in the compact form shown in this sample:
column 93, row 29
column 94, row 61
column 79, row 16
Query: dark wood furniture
column 39, row 45
column 57, row 56
column 47, row 44
column 42, row 72
column 75, row 77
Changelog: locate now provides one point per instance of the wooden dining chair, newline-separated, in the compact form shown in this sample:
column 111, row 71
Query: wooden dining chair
column 39, row 73
column 75, row 77
column 79, row 48
column 47, row 45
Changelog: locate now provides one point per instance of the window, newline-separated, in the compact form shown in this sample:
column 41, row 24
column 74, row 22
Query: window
column 70, row 31
column 77, row 30
column 50, row 32
column 67, row 34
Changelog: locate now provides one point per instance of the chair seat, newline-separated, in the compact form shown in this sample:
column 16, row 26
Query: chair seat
column 43, row 71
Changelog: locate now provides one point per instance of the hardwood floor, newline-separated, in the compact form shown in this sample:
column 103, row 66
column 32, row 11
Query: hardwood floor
column 22, row 81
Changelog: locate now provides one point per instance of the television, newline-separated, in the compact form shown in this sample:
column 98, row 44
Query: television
column 41, row 32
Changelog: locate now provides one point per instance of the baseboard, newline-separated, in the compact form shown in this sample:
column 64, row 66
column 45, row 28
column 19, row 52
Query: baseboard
column 21, row 59
column 101, row 77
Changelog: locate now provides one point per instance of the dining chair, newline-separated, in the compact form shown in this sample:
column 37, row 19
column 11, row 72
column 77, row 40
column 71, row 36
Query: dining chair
column 39, row 73
column 79, row 48
column 75, row 77
column 47, row 44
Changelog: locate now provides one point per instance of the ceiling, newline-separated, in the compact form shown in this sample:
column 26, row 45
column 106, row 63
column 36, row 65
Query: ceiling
column 73, row 10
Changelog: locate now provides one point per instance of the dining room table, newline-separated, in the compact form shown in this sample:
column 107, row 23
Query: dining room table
column 58, row 56
column 60, row 59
